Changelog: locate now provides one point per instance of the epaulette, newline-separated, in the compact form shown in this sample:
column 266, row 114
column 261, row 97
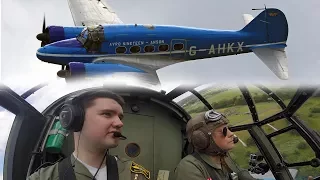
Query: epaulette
column 136, row 168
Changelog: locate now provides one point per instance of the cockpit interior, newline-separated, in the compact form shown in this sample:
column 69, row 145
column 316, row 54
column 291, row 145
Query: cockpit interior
column 277, row 126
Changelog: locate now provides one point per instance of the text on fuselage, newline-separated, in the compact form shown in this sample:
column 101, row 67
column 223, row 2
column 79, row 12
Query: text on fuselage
column 136, row 43
column 219, row 48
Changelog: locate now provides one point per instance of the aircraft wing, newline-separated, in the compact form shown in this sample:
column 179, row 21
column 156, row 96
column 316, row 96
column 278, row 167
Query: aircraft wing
column 92, row 12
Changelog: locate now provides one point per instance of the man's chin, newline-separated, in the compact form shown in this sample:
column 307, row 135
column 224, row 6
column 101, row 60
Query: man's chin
column 113, row 143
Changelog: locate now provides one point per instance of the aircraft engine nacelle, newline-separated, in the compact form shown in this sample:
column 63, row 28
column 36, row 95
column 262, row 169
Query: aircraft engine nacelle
column 57, row 33
column 78, row 69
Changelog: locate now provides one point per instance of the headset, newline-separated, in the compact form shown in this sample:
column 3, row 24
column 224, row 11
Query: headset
column 201, row 137
column 72, row 113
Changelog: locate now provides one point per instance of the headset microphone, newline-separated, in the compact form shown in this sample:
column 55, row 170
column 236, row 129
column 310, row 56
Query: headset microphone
column 235, row 139
column 119, row 135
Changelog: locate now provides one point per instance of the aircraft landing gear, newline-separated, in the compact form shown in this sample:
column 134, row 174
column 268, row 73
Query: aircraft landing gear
column 64, row 72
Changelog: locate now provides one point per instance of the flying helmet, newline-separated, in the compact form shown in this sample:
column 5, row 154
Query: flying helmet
column 199, row 131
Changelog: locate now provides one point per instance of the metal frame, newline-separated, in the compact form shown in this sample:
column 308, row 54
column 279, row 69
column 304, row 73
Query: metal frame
column 246, row 94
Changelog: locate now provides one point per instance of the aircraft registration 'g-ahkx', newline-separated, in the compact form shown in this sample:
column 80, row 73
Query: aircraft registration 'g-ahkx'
column 99, row 35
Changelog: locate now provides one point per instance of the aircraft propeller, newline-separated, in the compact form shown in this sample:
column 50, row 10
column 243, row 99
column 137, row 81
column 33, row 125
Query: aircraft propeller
column 265, row 8
column 44, row 36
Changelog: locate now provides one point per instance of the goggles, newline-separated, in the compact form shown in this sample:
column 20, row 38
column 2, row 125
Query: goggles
column 213, row 116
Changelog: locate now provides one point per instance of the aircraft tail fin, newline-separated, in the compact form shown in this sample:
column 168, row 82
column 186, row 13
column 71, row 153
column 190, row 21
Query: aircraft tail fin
column 269, row 26
column 275, row 58
column 247, row 18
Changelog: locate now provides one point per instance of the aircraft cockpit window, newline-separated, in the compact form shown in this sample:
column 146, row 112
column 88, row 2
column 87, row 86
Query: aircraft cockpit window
column 228, row 99
column 121, row 50
column 93, row 36
column 149, row 48
column 178, row 46
column 309, row 114
column 135, row 49
column 163, row 47
column 294, row 149
column 265, row 105
column 82, row 37
column 191, row 104
column 242, row 150
column 84, row 33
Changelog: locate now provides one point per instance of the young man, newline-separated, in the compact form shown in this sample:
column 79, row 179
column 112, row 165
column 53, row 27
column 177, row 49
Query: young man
column 95, row 118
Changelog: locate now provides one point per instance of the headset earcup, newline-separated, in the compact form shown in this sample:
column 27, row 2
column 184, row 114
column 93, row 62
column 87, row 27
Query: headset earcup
column 71, row 118
column 200, row 139
column 66, row 117
column 78, row 119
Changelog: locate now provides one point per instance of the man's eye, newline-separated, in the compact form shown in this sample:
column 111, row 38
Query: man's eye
column 107, row 114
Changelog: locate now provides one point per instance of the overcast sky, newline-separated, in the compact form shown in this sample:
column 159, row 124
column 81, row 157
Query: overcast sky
column 22, row 21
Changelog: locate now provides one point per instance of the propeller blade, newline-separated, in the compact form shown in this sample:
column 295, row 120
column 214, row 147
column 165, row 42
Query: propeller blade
column 44, row 24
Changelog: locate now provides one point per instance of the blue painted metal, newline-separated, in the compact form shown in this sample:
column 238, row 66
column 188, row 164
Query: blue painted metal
column 268, row 29
column 91, row 69
column 58, row 33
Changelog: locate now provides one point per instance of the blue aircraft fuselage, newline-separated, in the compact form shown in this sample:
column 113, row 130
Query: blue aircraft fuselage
column 183, row 43
column 165, row 42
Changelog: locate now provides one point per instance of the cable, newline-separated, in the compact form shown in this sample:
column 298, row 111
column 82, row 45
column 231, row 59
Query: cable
column 105, row 154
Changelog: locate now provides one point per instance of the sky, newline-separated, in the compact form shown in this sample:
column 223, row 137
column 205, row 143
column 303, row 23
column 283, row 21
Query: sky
column 22, row 20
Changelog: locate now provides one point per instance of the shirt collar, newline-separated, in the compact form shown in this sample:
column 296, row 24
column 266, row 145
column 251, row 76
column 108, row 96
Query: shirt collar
column 209, row 160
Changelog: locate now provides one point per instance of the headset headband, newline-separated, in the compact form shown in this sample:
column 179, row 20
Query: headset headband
column 77, row 96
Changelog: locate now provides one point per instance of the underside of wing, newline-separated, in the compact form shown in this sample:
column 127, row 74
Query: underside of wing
column 92, row 12
column 275, row 59
column 134, row 71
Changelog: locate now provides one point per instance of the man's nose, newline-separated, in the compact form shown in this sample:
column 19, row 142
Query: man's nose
column 230, row 133
column 118, row 123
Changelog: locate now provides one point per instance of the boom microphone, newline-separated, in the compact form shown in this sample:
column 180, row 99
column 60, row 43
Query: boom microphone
column 119, row 135
column 235, row 139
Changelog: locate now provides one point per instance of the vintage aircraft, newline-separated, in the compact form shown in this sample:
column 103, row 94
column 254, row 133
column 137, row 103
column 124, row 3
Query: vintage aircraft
column 137, row 47
column 30, row 144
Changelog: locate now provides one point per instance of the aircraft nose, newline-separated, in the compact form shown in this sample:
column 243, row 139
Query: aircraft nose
column 60, row 51
column 69, row 46
column 42, row 53
column 42, row 50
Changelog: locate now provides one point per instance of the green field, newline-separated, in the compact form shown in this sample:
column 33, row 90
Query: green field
column 290, row 145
